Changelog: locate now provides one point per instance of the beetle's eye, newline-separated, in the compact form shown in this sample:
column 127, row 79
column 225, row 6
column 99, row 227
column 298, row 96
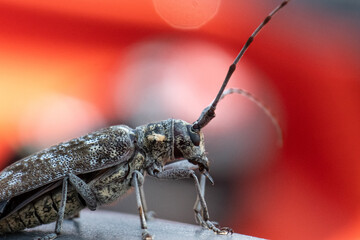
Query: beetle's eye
column 194, row 136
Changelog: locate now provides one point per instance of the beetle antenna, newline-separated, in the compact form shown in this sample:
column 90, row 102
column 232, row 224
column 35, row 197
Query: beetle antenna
column 261, row 105
column 209, row 112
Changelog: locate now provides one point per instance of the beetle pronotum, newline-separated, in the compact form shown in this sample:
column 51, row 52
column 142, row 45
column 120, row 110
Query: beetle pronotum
column 103, row 165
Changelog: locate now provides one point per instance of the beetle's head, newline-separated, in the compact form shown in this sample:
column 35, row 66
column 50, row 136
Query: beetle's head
column 189, row 144
column 187, row 141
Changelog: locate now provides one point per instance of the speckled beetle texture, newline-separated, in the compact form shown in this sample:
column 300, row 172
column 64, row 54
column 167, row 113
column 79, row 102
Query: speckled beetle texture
column 106, row 160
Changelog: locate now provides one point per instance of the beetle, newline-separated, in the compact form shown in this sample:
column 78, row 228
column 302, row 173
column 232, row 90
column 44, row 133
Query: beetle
column 98, row 168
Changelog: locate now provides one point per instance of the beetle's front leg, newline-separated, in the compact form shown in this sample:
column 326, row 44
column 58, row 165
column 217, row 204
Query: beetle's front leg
column 199, row 215
column 137, row 182
column 185, row 164
column 176, row 173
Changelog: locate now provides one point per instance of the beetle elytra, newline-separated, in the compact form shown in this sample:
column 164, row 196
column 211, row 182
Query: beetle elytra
column 98, row 168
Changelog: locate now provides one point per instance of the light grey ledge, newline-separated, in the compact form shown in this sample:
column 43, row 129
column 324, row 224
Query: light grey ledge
column 105, row 225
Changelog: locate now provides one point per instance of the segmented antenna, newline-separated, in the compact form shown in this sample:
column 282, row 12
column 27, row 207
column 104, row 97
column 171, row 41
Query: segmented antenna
column 209, row 112
column 261, row 105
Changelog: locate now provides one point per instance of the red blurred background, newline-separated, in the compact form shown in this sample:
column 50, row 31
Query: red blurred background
column 71, row 67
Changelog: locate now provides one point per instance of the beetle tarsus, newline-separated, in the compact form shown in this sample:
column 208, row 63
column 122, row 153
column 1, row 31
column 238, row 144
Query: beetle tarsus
column 221, row 231
column 146, row 235
column 50, row 236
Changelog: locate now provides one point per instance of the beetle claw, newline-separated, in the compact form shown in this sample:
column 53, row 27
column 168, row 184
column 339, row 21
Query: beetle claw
column 146, row 235
column 216, row 229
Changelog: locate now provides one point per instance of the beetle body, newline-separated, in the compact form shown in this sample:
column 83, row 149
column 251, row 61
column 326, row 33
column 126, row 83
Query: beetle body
column 102, row 166
column 105, row 160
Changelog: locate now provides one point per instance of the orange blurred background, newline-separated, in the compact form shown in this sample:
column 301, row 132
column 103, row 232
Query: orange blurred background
column 70, row 67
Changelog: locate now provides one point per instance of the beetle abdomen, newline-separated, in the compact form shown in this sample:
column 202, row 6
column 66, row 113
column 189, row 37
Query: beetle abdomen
column 41, row 211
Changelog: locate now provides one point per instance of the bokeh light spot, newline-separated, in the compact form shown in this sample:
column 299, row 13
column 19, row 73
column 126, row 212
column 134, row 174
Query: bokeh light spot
column 187, row 13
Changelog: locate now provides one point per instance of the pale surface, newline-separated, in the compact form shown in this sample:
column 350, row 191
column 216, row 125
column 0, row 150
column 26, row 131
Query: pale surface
column 110, row 225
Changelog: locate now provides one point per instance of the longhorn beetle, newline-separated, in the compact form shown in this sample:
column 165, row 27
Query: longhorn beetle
column 103, row 165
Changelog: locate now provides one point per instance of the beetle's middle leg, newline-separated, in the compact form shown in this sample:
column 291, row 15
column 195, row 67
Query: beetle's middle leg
column 137, row 182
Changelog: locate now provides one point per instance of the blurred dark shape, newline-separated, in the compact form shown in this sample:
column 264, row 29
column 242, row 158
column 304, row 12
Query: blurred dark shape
column 20, row 153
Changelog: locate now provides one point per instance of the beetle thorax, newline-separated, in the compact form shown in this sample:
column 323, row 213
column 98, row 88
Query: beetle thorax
column 157, row 141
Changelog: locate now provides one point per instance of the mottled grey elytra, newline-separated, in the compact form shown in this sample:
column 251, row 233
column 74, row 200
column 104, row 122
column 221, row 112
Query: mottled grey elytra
column 104, row 165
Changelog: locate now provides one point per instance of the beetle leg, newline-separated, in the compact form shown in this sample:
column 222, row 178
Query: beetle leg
column 84, row 190
column 138, row 179
column 203, row 218
column 185, row 164
column 148, row 214
column 61, row 213
column 197, row 206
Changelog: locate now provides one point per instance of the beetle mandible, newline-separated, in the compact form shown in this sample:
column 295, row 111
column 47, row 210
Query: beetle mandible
column 104, row 165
